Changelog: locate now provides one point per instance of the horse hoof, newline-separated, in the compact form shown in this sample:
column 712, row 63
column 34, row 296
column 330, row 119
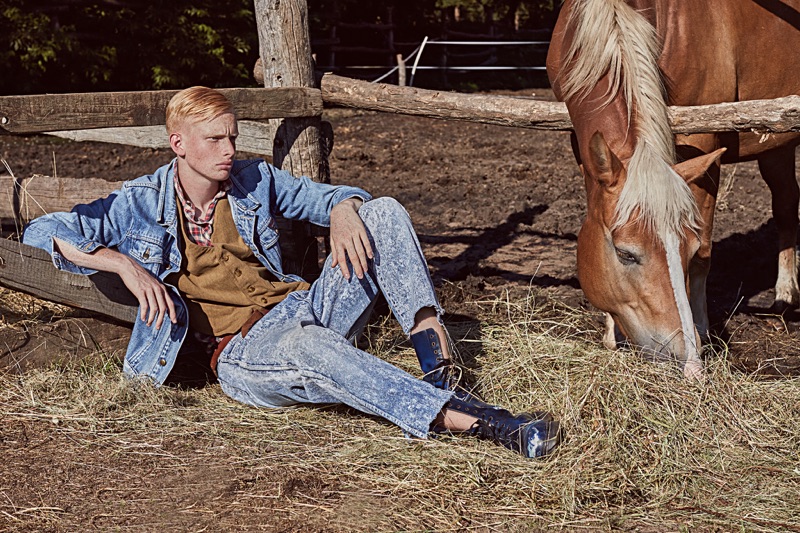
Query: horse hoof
column 780, row 306
column 693, row 371
column 613, row 339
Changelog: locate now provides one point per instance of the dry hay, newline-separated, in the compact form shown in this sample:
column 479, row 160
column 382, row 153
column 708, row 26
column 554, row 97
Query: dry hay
column 644, row 449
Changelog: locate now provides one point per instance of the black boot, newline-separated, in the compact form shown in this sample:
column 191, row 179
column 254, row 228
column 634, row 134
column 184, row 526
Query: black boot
column 527, row 434
column 439, row 372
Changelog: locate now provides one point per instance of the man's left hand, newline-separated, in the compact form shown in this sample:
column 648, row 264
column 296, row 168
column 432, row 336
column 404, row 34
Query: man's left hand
column 349, row 238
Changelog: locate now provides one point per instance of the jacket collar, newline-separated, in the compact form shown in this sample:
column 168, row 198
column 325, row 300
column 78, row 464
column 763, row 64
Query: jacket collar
column 167, row 205
column 239, row 194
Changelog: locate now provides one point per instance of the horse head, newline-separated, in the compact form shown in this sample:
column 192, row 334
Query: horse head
column 633, row 269
column 642, row 225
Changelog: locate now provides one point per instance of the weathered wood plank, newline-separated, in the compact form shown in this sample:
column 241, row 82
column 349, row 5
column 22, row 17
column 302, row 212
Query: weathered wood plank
column 39, row 195
column 55, row 112
column 30, row 270
column 254, row 137
column 142, row 136
column 779, row 115
column 484, row 108
column 762, row 116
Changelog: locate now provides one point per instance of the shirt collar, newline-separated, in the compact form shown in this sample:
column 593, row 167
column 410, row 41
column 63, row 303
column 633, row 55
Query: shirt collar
column 187, row 205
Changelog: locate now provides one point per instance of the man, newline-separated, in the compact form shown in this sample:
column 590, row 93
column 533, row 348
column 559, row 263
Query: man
column 196, row 244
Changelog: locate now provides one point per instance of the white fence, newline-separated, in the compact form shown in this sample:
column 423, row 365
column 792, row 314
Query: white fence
column 402, row 62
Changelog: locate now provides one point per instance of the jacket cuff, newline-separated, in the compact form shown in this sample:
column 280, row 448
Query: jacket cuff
column 81, row 244
column 364, row 197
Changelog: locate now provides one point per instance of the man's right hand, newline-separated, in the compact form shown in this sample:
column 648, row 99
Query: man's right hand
column 153, row 296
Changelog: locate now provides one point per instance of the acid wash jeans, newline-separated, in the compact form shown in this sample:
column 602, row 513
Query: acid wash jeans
column 300, row 352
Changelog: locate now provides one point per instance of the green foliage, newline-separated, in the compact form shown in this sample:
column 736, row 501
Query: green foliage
column 46, row 46
column 107, row 45
column 519, row 14
column 415, row 19
column 27, row 46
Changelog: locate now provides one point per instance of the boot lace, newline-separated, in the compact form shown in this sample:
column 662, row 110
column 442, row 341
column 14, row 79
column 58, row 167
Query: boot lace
column 504, row 432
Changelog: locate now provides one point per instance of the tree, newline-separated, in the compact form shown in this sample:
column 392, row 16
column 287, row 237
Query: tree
column 106, row 45
column 84, row 45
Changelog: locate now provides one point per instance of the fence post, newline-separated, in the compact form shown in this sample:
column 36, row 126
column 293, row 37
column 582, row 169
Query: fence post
column 285, row 50
column 401, row 70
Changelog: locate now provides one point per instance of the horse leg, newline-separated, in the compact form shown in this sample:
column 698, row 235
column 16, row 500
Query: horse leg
column 777, row 169
column 704, row 190
column 613, row 337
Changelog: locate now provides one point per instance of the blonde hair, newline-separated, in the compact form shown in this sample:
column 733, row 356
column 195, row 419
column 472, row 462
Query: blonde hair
column 196, row 103
column 613, row 38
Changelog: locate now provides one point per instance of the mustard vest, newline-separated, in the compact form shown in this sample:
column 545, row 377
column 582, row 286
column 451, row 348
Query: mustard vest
column 222, row 284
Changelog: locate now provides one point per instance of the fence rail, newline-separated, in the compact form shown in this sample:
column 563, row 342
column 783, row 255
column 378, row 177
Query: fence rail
column 780, row 115
column 52, row 112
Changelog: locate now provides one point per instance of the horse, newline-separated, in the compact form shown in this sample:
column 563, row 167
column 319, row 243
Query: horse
column 644, row 250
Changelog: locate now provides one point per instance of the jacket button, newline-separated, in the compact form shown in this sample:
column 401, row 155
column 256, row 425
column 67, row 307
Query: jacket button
column 251, row 289
column 225, row 257
column 237, row 272
column 146, row 254
column 162, row 362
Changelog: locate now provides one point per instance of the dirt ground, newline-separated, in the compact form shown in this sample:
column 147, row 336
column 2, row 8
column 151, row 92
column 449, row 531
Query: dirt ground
column 499, row 209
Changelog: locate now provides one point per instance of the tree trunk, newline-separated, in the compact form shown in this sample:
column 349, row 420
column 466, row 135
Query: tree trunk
column 285, row 50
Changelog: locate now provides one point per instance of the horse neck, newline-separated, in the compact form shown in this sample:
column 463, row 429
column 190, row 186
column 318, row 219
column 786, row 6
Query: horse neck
column 612, row 44
column 613, row 85
column 596, row 112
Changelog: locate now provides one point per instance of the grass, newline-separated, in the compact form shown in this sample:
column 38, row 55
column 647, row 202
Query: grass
column 644, row 449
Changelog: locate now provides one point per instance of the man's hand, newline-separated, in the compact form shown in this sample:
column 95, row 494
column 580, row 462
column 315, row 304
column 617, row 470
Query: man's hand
column 153, row 296
column 349, row 238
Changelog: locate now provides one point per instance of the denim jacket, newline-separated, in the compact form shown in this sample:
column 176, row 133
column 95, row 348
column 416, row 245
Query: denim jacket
column 140, row 220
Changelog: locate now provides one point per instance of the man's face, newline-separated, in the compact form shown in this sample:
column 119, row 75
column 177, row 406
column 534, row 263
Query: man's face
column 206, row 148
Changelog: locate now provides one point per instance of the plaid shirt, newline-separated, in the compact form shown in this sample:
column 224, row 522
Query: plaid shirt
column 199, row 228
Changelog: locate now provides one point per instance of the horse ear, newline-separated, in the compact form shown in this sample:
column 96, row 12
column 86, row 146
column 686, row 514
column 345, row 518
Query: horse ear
column 608, row 166
column 576, row 149
column 695, row 168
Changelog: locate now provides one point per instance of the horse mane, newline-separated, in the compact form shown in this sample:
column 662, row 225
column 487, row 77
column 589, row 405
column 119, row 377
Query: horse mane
column 612, row 38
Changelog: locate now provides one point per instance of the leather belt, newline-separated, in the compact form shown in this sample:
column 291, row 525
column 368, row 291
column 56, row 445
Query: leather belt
column 257, row 315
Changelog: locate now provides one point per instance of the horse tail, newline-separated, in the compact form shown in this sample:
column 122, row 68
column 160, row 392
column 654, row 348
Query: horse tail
column 612, row 38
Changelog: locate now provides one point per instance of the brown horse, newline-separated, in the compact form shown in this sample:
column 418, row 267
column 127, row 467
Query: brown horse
column 645, row 247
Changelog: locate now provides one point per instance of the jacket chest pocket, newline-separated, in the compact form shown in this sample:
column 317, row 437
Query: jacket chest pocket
column 267, row 232
column 148, row 251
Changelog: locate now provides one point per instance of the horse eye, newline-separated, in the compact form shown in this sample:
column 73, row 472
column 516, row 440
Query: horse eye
column 625, row 257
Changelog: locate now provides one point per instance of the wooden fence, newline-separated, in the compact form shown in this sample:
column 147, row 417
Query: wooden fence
column 296, row 141
column 288, row 111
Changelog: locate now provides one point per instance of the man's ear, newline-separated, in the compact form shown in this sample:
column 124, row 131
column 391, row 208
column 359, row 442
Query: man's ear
column 176, row 142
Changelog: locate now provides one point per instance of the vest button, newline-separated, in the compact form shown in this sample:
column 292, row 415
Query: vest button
column 237, row 272
column 162, row 362
column 225, row 257
column 251, row 289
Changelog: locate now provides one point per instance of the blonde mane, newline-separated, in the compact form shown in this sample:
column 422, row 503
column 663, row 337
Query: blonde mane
column 612, row 37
